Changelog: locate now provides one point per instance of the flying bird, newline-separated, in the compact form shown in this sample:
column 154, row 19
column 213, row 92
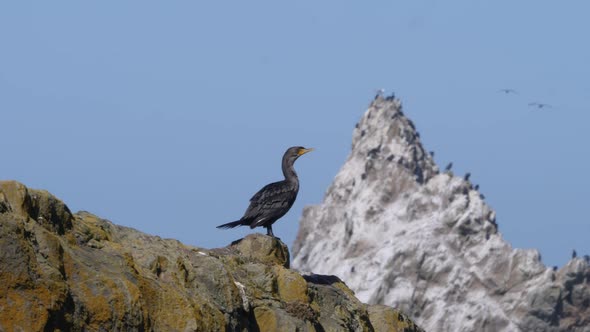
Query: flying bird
column 274, row 200
column 508, row 91
column 540, row 105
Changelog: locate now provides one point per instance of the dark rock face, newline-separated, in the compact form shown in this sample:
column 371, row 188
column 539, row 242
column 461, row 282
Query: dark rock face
column 77, row 272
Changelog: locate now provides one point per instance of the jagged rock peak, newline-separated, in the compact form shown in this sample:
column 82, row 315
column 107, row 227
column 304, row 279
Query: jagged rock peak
column 400, row 233
column 385, row 135
column 77, row 272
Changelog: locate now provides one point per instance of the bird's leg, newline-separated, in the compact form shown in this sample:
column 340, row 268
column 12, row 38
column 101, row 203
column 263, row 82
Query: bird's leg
column 269, row 231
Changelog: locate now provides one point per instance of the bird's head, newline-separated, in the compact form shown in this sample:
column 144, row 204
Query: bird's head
column 295, row 152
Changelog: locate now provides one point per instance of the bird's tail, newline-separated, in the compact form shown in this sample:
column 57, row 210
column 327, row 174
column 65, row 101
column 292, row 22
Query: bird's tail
column 231, row 224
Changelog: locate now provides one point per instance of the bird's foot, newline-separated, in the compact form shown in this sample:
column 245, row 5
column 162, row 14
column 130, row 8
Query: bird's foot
column 271, row 234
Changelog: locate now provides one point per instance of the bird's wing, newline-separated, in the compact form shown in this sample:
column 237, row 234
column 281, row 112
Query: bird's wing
column 258, row 222
column 274, row 196
column 270, row 190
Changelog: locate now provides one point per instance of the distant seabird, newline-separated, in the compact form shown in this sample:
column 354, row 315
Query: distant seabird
column 540, row 105
column 379, row 93
column 449, row 166
column 390, row 97
column 508, row 91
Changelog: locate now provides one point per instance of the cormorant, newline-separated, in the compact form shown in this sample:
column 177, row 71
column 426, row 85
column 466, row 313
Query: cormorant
column 274, row 200
column 449, row 166
column 390, row 97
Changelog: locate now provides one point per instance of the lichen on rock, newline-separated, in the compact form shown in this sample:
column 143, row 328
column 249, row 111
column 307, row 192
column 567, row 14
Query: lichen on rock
column 78, row 272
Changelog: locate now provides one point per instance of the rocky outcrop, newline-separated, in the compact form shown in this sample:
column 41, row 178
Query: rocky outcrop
column 77, row 272
column 400, row 232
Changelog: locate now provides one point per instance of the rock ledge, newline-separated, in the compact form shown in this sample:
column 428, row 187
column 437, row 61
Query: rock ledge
column 77, row 272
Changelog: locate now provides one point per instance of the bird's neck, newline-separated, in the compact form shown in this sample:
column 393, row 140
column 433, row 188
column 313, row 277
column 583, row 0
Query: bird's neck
column 289, row 172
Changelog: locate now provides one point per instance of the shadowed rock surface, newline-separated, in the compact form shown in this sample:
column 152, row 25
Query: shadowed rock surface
column 77, row 272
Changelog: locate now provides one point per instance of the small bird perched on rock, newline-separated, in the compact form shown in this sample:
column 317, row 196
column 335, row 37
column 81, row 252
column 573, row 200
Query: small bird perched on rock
column 274, row 200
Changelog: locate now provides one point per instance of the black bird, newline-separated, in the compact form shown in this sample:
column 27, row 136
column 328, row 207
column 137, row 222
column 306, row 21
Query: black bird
column 390, row 97
column 539, row 105
column 274, row 200
column 507, row 91
column 449, row 166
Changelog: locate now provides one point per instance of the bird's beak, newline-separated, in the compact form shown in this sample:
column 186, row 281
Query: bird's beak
column 304, row 151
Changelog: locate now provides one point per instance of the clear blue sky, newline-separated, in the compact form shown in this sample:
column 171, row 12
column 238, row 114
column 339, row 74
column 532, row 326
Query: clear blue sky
column 168, row 116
